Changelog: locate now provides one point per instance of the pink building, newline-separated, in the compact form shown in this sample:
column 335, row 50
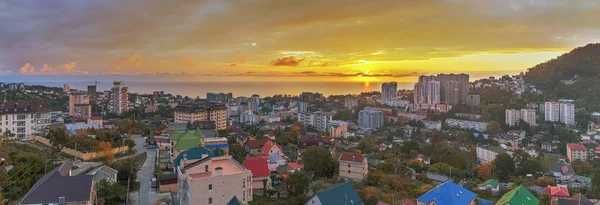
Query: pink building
column 576, row 152
column 79, row 105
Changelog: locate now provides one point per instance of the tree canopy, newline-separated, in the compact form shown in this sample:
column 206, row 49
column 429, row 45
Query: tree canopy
column 319, row 161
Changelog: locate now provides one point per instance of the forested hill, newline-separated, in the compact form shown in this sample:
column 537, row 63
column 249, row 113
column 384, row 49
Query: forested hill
column 574, row 75
column 583, row 62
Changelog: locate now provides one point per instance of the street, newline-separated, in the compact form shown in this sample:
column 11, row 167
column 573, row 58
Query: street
column 145, row 176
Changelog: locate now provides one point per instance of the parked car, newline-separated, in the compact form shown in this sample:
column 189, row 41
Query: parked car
column 151, row 146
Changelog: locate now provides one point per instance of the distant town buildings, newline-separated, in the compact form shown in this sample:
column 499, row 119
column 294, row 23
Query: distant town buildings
column 389, row 91
column 353, row 166
column 337, row 128
column 453, row 88
column 529, row 116
column 91, row 90
column 216, row 112
column 488, row 154
column 318, row 120
column 219, row 97
column 302, row 107
column 254, row 103
column 370, row 118
column 24, row 119
column 576, row 152
column 350, row 102
column 427, row 90
column 473, row 100
column 79, row 105
column 466, row 124
column 67, row 88
column 562, row 111
column 512, row 117
column 118, row 100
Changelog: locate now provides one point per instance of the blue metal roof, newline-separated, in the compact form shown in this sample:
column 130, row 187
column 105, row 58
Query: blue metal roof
column 191, row 154
column 448, row 193
column 342, row 194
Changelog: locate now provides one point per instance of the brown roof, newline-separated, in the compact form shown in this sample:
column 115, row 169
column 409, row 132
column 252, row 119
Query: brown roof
column 20, row 107
column 258, row 144
column 351, row 158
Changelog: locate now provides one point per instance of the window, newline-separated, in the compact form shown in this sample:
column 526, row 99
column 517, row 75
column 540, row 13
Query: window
column 210, row 201
column 348, row 171
column 348, row 165
column 205, row 168
column 210, row 187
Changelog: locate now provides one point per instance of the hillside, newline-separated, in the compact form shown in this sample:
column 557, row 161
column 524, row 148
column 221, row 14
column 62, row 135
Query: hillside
column 574, row 75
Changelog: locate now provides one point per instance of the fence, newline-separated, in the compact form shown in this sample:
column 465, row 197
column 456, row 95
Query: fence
column 78, row 154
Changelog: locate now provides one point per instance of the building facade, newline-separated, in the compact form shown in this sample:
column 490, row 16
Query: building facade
column 567, row 113
column 389, row 91
column 473, row 100
column 552, row 111
column 337, row 128
column 254, row 103
column 302, row 107
column 453, row 88
column 216, row 112
column 353, row 166
column 466, row 124
column 318, row 120
column 79, row 105
column 576, row 152
column 370, row 119
column 219, row 97
column 512, row 117
column 213, row 180
column 529, row 116
column 23, row 119
column 118, row 100
column 350, row 103
column 67, row 88
column 427, row 90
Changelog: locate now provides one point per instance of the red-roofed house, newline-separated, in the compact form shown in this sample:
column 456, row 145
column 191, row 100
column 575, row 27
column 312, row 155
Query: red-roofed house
column 353, row 166
column 598, row 150
column 259, row 166
column 95, row 120
column 262, row 147
column 557, row 192
column 423, row 158
column 270, row 135
column 295, row 166
column 576, row 152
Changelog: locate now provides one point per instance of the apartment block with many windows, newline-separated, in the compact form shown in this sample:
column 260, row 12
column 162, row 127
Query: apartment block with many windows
column 216, row 112
column 23, row 119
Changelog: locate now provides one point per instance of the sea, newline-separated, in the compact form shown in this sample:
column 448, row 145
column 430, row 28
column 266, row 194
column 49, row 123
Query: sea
column 199, row 89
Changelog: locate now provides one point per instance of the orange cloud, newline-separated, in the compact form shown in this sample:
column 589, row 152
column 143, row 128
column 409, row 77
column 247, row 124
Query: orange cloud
column 68, row 67
column 46, row 69
column 133, row 60
column 188, row 61
column 241, row 60
column 27, row 69
column 286, row 61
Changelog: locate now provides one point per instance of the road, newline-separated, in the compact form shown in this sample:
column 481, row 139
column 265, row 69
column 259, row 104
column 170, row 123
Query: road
column 145, row 177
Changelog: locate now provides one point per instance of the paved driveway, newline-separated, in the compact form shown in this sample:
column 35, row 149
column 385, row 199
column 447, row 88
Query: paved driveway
column 145, row 177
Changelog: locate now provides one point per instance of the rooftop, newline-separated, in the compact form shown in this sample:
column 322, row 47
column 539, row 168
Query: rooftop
column 59, row 183
column 340, row 195
column 448, row 193
column 519, row 195
column 347, row 157
column 575, row 146
column 226, row 164
column 258, row 165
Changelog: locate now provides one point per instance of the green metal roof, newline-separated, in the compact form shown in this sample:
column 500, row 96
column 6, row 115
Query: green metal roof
column 192, row 154
column 175, row 136
column 187, row 140
column 341, row 194
column 234, row 201
column 198, row 133
column 518, row 196
column 493, row 182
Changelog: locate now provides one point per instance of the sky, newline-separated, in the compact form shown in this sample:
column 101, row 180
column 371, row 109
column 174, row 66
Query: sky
column 287, row 41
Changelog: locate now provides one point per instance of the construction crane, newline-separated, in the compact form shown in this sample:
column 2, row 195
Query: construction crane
column 96, row 83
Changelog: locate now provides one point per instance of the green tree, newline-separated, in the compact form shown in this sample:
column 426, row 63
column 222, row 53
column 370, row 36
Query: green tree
column 493, row 127
column 319, row 161
column 504, row 166
column 58, row 138
column 596, row 181
column 366, row 144
column 111, row 193
column 124, row 126
column 298, row 183
column 156, row 118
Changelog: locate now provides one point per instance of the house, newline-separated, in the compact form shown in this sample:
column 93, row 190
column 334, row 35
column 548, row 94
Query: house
column 557, row 192
column 423, row 158
column 290, row 167
column 579, row 182
column 343, row 194
column 437, row 177
column 276, row 160
column 104, row 173
column 353, row 166
column 183, row 141
column 562, row 172
column 576, row 152
column 518, row 196
column 308, row 141
column 259, row 165
column 490, row 184
column 168, row 182
column 59, row 187
column 270, row 135
column 241, row 137
column 577, row 199
column 448, row 193
column 163, row 143
column 264, row 146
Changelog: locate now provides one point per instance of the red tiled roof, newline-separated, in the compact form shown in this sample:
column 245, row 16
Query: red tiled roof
column 258, row 144
column 294, row 165
column 258, row 165
column 422, row 156
column 558, row 191
column 351, row 158
column 233, row 128
column 268, row 146
column 271, row 134
column 574, row 146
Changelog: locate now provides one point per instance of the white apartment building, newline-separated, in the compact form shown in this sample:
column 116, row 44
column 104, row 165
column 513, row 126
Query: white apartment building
column 370, row 118
column 302, row 107
column 213, row 181
column 488, row 154
column 512, row 117
column 567, row 113
column 318, row 120
column 23, row 119
column 552, row 111
column 466, row 124
column 529, row 116
column 249, row 117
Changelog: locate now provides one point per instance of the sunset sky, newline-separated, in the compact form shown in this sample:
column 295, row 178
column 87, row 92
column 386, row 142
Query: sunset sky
column 289, row 40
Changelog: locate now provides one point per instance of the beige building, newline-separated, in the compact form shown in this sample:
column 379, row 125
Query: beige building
column 216, row 112
column 79, row 105
column 118, row 101
column 337, row 128
column 353, row 166
column 213, row 180
column 576, row 152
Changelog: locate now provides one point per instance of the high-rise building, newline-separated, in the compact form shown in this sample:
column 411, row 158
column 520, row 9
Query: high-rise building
column 350, row 103
column 67, row 88
column 512, row 117
column 567, row 113
column 552, row 111
column 254, row 103
column 318, row 120
column 427, row 90
column 302, row 107
column 473, row 100
column 118, row 101
column 79, row 105
column 453, row 88
column 219, row 97
column 91, row 90
column 216, row 112
column 529, row 116
column 370, row 118
column 24, row 119
column 389, row 91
